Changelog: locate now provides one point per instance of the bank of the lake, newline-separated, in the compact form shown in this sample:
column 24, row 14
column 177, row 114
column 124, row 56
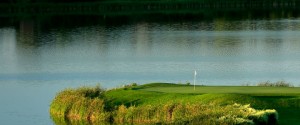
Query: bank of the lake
column 133, row 7
column 174, row 103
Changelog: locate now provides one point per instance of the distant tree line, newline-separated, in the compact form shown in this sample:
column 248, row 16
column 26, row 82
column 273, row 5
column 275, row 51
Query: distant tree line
column 50, row 1
column 117, row 7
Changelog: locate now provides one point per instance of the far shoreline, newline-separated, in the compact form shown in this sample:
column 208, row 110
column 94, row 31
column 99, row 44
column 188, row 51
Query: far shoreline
column 132, row 7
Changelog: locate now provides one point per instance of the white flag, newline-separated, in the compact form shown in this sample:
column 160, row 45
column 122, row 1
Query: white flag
column 195, row 72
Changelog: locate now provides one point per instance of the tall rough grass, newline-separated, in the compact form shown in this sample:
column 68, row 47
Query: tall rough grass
column 90, row 104
column 179, row 113
column 80, row 104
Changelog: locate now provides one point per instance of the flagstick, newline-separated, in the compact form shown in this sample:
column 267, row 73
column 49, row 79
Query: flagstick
column 195, row 79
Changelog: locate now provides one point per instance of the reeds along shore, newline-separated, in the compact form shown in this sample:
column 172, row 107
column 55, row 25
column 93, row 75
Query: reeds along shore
column 154, row 6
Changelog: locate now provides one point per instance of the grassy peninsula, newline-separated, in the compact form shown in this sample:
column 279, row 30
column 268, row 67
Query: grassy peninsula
column 166, row 103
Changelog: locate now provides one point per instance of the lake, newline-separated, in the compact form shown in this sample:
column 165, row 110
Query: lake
column 37, row 60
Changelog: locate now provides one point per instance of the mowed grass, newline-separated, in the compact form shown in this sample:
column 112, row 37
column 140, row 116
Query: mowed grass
column 286, row 100
column 225, row 89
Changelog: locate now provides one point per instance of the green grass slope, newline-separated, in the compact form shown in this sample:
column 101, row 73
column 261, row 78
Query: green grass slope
column 286, row 100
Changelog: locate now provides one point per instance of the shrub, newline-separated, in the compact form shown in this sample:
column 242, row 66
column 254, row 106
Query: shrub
column 275, row 84
column 125, row 87
column 188, row 83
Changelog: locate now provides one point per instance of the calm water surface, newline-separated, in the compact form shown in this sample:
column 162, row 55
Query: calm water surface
column 35, row 64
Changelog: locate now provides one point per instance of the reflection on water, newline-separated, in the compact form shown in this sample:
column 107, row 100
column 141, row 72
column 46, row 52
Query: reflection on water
column 225, row 52
column 37, row 59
